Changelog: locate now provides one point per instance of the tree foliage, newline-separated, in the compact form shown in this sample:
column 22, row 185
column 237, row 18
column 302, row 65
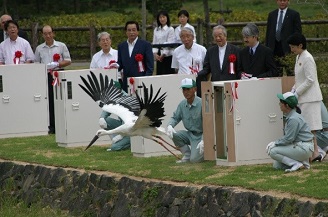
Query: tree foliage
column 154, row 6
column 26, row 8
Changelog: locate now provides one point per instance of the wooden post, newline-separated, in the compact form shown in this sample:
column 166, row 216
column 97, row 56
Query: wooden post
column 93, row 41
column 144, row 20
column 200, row 36
column 34, row 36
column 207, row 23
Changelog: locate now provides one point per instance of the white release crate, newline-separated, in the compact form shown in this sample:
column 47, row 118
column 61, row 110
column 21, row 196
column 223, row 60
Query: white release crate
column 142, row 147
column 238, row 129
column 24, row 103
column 76, row 114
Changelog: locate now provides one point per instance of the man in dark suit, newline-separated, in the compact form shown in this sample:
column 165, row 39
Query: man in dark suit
column 221, row 60
column 3, row 35
column 135, row 56
column 281, row 24
column 256, row 60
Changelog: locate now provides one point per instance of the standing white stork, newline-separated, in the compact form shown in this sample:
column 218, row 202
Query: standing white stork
column 141, row 117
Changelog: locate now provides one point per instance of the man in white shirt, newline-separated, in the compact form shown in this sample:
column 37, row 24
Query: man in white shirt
column 3, row 34
column 107, row 54
column 189, row 57
column 47, row 53
column 15, row 50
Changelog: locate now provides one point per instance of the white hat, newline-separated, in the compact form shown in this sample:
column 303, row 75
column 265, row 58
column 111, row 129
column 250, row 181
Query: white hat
column 188, row 83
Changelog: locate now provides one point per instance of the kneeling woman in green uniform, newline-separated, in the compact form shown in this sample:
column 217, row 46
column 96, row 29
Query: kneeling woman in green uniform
column 294, row 149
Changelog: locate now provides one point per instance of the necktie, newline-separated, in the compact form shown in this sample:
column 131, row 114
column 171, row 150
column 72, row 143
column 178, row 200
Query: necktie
column 251, row 52
column 278, row 37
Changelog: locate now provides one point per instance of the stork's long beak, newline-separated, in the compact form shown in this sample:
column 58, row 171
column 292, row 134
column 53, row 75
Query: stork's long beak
column 92, row 141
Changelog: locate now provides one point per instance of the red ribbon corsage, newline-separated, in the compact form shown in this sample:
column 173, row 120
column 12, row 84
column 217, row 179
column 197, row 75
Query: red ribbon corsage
column 56, row 79
column 131, row 81
column 56, row 57
column 18, row 55
column 139, row 57
column 232, row 60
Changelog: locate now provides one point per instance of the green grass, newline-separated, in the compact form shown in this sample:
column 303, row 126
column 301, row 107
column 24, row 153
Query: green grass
column 9, row 207
column 311, row 183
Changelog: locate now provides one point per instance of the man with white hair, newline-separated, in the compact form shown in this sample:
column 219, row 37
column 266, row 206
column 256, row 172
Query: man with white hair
column 221, row 60
column 188, row 58
column 107, row 54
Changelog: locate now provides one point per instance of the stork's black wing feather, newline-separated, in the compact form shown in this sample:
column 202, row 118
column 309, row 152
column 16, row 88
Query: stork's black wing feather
column 93, row 86
column 102, row 83
column 153, row 105
column 88, row 89
column 106, row 93
column 96, row 83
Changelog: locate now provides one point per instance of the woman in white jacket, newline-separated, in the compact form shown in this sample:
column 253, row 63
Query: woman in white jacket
column 183, row 16
column 306, row 87
column 163, row 34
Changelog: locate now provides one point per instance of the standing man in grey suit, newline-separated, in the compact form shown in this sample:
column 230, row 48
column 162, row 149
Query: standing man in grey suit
column 221, row 60
column 256, row 60
column 135, row 56
column 281, row 24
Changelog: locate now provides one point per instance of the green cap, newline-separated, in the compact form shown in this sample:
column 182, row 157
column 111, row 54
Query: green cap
column 289, row 98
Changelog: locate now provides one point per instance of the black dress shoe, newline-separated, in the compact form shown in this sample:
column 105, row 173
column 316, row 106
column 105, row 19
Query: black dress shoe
column 51, row 131
column 317, row 158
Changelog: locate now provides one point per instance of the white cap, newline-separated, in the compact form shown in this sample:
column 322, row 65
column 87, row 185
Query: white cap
column 188, row 83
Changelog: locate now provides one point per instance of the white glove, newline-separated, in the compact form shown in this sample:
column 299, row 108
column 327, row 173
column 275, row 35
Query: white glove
column 114, row 66
column 169, row 131
column 293, row 90
column 200, row 146
column 245, row 76
column 296, row 95
column 116, row 139
column 52, row 65
column 102, row 123
column 270, row 146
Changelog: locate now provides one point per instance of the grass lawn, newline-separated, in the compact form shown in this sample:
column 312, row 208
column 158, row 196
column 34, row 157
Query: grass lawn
column 311, row 183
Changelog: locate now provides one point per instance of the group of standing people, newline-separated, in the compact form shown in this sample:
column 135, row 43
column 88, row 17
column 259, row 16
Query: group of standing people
column 16, row 49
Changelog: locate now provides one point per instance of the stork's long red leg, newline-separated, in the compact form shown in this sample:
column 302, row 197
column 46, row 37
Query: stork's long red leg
column 158, row 137
column 166, row 148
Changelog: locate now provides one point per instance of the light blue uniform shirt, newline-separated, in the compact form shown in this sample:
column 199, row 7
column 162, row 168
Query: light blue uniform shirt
column 296, row 130
column 324, row 115
column 322, row 135
column 190, row 115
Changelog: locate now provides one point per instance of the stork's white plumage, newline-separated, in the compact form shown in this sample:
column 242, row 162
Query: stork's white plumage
column 141, row 117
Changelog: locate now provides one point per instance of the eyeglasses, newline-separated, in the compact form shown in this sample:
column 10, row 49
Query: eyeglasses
column 47, row 33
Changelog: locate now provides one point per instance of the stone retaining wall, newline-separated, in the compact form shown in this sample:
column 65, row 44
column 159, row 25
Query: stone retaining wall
column 89, row 194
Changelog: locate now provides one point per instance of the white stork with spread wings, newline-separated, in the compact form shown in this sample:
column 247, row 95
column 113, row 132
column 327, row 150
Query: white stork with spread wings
column 141, row 117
